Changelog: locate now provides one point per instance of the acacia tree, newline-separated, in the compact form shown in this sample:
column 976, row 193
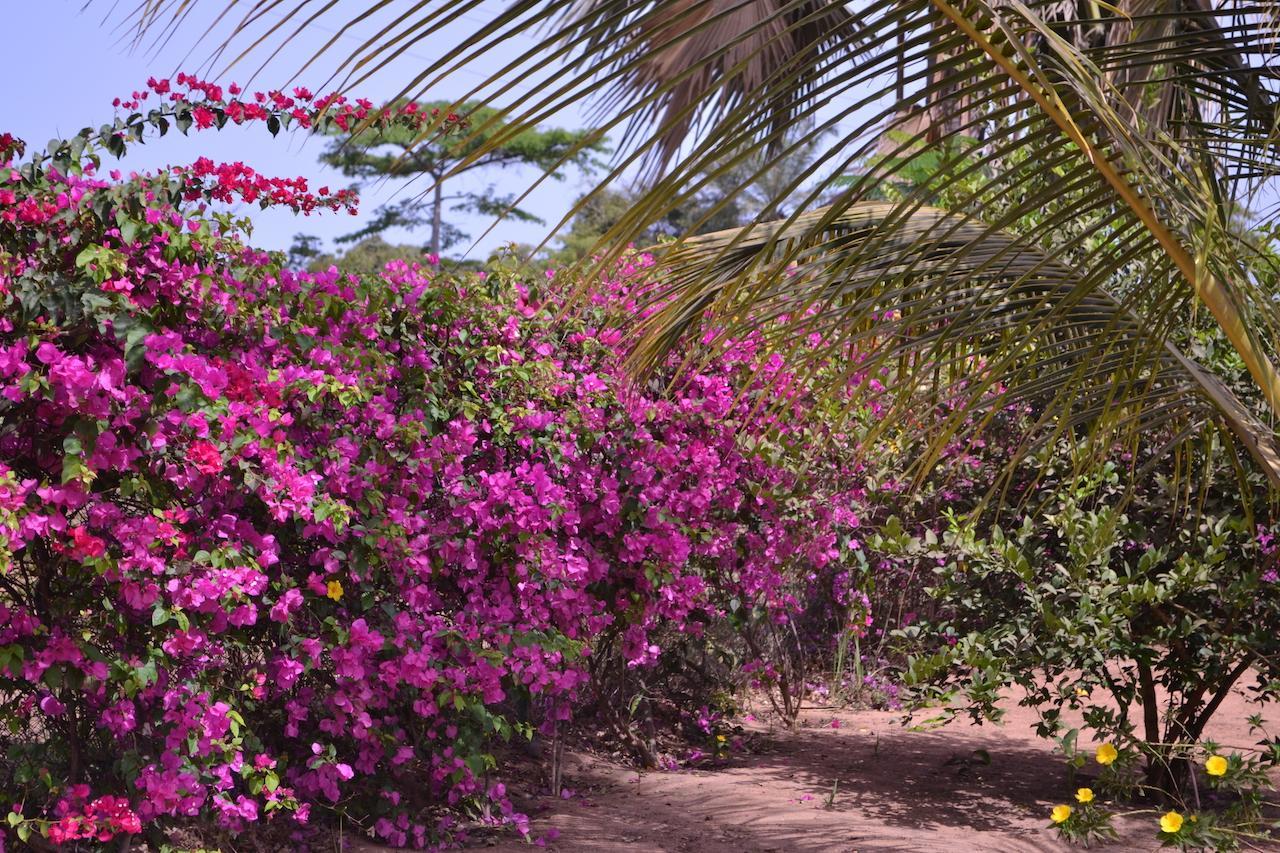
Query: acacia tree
column 373, row 153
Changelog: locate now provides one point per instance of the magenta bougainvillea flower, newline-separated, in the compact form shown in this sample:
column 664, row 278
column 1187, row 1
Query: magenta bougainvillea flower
column 282, row 544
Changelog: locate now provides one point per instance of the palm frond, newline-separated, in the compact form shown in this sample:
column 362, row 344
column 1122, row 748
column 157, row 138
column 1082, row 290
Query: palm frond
column 1098, row 156
column 982, row 319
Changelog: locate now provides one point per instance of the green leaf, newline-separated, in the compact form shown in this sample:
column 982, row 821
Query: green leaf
column 146, row 674
column 72, row 468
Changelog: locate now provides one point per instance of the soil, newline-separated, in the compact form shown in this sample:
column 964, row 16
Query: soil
column 867, row 784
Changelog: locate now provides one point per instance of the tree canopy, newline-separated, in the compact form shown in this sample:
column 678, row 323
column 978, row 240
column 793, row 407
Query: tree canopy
column 370, row 154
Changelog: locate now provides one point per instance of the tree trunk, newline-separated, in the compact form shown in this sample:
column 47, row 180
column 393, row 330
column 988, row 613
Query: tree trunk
column 1150, row 708
column 436, row 215
column 1164, row 768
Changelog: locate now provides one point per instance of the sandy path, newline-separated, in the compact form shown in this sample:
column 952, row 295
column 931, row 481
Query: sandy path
column 898, row 790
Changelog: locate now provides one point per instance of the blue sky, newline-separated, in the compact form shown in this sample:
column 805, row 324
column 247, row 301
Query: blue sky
column 63, row 66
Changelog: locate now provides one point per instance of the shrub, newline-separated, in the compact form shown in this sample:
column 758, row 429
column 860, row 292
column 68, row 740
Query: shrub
column 1141, row 616
column 282, row 545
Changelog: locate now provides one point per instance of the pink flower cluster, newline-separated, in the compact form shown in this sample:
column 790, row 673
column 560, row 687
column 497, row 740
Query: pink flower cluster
column 100, row 820
column 283, row 543
column 231, row 182
column 208, row 104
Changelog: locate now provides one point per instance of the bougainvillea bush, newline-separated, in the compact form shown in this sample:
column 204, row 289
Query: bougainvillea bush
column 280, row 548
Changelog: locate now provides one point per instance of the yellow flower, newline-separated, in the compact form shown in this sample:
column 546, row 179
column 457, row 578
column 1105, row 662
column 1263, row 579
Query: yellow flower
column 1084, row 795
column 1216, row 765
column 1106, row 754
column 334, row 590
column 719, row 738
column 1060, row 813
column 1170, row 822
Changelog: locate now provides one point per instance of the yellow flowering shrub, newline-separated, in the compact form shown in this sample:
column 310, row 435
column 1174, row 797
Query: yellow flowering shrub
column 1135, row 623
column 1083, row 823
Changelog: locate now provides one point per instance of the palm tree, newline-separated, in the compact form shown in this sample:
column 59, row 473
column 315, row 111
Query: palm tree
column 1096, row 159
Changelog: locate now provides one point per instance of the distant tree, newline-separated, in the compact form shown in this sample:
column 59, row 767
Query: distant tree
column 772, row 189
column 305, row 249
column 762, row 185
column 367, row 257
column 374, row 154
column 595, row 216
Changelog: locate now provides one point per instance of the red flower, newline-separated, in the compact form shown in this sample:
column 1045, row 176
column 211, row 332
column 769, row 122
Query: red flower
column 84, row 545
column 240, row 384
column 204, row 455
column 67, row 829
column 203, row 117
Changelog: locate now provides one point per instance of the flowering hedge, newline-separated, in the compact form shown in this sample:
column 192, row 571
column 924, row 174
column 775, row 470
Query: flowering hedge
column 279, row 545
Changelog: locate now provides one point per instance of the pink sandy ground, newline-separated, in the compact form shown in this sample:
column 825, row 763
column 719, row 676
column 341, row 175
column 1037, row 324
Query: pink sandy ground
column 898, row 790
